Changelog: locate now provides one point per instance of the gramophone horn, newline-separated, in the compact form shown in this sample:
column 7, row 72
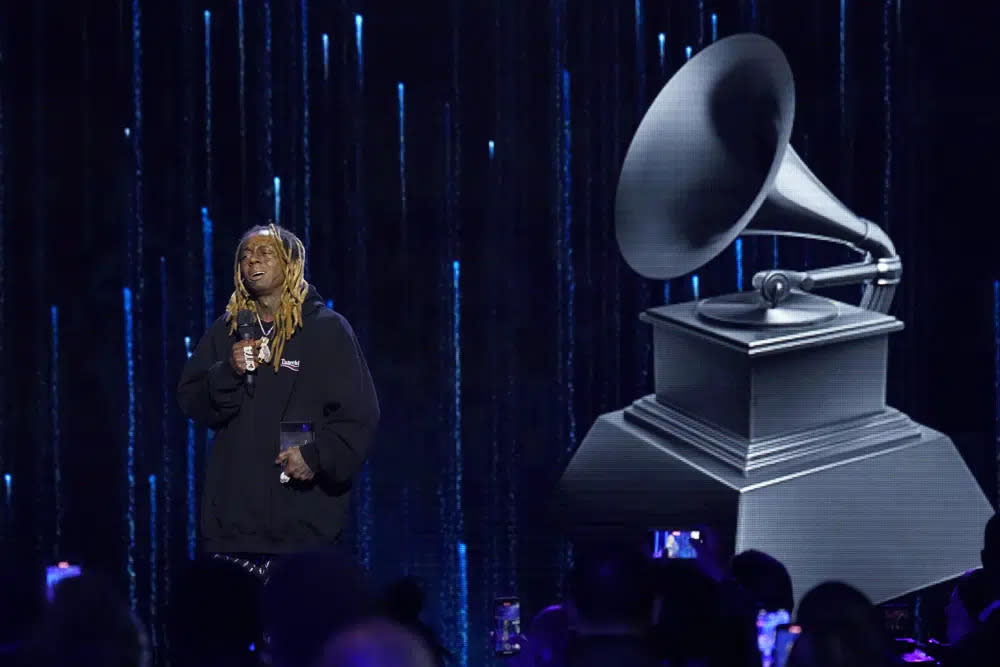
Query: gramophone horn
column 711, row 160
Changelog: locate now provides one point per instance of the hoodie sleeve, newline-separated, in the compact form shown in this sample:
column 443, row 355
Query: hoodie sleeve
column 350, row 406
column 210, row 391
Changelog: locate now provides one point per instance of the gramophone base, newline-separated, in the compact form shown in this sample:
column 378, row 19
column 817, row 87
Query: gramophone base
column 889, row 520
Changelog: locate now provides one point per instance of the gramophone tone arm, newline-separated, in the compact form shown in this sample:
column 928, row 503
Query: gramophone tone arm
column 776, row 284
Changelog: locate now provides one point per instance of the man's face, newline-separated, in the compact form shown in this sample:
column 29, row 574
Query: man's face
column 260, row 265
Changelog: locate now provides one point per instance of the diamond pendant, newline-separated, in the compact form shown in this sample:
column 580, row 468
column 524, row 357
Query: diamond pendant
column 264, row 355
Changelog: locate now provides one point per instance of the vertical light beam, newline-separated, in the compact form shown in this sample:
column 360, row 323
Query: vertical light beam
column 569, row 277
column 130, row 446
column 662, row 39
column 56, row 435
column 208, row 275
column 192, row 500
column 401, row 100
column 208, row 105
column 8, row 494
column 715, row 26
column 359, row 46
column 277, row 200
column 463, row 605
column 153, row 550
column 739, row 264
column 326, row 57
column 687, row 53
column 695, row 287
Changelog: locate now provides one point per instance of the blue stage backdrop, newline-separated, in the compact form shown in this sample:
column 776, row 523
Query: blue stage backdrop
column 451, row 167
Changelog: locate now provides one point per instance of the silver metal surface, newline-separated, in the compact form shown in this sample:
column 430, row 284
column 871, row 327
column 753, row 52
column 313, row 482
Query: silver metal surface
column 711, row 161
column 748, row 309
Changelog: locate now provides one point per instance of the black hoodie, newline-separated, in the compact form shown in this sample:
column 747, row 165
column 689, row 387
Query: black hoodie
column 323, row 379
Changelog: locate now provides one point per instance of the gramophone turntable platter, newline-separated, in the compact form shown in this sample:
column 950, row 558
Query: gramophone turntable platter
column 747, row 309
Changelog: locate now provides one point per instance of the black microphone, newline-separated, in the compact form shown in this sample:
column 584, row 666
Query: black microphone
column 244, row 325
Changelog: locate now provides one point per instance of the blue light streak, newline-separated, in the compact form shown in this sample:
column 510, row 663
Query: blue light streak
column 715, row 27
column 569, row 277
column 208, row 103
column 492, row 149
column 277, row 200
column 153, row 550
column 695, row 287
column 130, row 446
column 329, row 304
column 207, row 278
column 666, row 292
column 56, row 435
column 459, row 517
column 687, row 53
column 136, row 273
column 401, row 100
column 739, row 264
column 326, row 56
column 8, row 485
column 456, row 346
column 306, row 158
column 774, row 252
column 192, row 526
column 662, row 39
column 463, row 605
column 359, row 47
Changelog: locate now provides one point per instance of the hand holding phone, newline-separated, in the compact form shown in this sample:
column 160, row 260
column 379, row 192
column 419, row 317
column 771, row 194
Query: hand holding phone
column 506, row 632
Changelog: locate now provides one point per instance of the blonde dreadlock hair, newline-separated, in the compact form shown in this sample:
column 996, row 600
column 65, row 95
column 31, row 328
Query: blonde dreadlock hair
column 288, row 317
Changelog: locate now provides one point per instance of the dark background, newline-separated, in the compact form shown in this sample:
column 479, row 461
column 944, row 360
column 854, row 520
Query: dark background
column 547, row 329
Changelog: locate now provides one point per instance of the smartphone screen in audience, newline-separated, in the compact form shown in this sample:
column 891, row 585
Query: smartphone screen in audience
column 675, row 543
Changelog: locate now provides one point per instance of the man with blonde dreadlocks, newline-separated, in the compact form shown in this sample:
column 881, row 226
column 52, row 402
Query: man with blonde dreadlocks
column 308, row 374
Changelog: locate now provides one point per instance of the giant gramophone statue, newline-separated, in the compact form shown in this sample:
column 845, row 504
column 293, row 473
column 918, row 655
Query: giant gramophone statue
column 769, row 422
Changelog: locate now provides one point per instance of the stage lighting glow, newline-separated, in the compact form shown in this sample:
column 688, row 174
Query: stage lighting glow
column 492, row 148
column 687, row 53
column 277, row 200
column 208, row 276
column 192, row 500
column 54, row 417
column 401, row 100
column 662, row 39
column 463, row 605
column 359, row 46
column 130, row 446
column 208, row 105
column 153, row 550
column 715, row 27
column 695, row 287
column 326, row 56
column 738, row 247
